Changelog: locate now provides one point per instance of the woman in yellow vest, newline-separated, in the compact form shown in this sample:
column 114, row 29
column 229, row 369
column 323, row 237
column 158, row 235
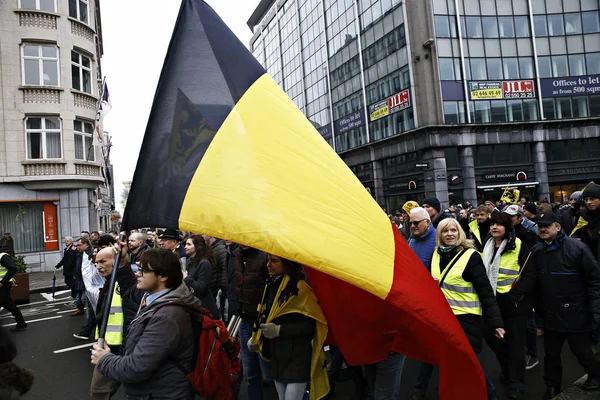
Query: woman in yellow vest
column 290, row 332
column 462, row 277
column 505, row 256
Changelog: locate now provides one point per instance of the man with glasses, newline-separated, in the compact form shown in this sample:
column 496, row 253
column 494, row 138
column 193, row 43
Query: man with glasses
column 422, row 242
column 160, row 340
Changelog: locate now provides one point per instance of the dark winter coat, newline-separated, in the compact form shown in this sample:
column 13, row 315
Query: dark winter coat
column 68, row 261
column 11, row 269
column 441, row 216
column 568, row 284
column 7, row 245
column 136, row 257
column 476, row 274
column 520, row 299
column 484, row 230
column 78, row 284
column 230, row 275
column 568, row 219
column 155, row 342
column 527, row 236
column 251, row 274
column 216, row 282
column 198, row 279
column 590, row 233
column 290, row 353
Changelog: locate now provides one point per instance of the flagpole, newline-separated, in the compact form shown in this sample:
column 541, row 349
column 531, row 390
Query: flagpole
column 97, row 122
column 109, row 295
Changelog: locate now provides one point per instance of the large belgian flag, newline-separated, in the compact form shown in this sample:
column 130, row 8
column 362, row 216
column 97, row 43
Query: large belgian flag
column 227, row 153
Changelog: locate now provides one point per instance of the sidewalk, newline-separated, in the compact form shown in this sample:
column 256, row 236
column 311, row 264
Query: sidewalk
column 41, row 282
column 575, row 393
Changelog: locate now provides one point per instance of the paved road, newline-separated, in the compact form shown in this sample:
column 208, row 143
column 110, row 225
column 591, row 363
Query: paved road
column 63, row 371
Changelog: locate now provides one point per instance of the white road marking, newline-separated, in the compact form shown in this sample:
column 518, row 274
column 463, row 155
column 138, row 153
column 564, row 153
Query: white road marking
column 48, row 296
column 64, row 312
column 56, row 302
column 83, row 346
column 36, row 320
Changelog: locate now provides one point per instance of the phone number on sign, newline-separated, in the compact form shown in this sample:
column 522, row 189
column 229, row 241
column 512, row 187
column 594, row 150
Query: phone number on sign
column 529, row 95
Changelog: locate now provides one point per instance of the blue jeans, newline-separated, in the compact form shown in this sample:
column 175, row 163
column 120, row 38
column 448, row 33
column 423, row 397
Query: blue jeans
column 79, row 303
column 254, row 365
column 384, row 377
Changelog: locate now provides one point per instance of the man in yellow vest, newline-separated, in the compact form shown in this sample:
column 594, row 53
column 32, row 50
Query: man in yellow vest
column 8, row 269
column 480, row 227
column 119, row 319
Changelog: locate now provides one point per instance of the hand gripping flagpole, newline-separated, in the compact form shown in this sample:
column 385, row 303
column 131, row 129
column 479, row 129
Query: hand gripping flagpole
column 109, row 296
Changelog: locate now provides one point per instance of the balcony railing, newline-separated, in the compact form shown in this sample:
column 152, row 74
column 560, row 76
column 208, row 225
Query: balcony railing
column 87, row 169
column 44, row 168
column 37, row 18
column 41, row 94
column 80, row 29
column 84, row 100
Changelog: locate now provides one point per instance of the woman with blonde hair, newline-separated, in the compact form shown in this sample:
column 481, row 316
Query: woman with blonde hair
column 459, row 271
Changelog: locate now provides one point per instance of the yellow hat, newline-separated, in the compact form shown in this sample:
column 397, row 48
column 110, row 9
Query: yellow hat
column 409, row 205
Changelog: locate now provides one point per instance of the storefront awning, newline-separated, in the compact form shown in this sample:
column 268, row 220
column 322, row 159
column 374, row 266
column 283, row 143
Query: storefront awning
column 511, row 185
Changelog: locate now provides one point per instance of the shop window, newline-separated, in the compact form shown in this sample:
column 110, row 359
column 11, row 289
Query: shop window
column 592, row 147
column 25, row 222
column 501, row 154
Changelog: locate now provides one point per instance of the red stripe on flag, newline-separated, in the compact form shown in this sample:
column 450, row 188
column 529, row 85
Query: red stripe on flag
column 414, row 320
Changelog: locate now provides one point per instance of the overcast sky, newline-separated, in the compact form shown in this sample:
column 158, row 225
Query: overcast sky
column 136, row 35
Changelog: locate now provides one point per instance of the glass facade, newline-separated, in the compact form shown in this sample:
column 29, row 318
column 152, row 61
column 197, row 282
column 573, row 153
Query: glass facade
column 498, row 51
column 301, row 42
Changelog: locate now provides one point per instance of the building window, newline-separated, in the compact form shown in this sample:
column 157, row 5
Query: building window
column 522, row 27
column 83, row 141
column 40, row 65
column 591, row 22
column 573, row 23
column 42, row 5
column 43, row 138
column 507, row 29
column 78, row 9
column 593, row 63
column 556, row 25
column 81, row 72
column 25, row 222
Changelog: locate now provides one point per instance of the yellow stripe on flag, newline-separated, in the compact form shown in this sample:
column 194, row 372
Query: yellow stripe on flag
column 269, row 180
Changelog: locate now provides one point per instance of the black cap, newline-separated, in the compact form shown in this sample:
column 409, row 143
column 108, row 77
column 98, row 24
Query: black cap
column 170, row 234
column 531, row 208
column 547, row 218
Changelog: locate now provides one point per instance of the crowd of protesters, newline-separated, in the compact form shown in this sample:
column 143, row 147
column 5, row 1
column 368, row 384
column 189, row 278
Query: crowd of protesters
column 510, row 273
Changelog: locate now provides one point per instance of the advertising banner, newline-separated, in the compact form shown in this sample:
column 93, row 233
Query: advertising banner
column 350, row 122
column 499, row 90
column 570, row 86
column 392, row 104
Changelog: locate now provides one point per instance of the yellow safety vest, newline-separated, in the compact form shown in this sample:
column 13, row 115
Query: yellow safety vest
column 116, row 319
column 3, row 269
column 509, row 269
column 460, row 294
column 474, row 226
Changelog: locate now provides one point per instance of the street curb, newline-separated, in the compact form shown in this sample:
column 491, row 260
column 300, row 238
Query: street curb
column 48, row 289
